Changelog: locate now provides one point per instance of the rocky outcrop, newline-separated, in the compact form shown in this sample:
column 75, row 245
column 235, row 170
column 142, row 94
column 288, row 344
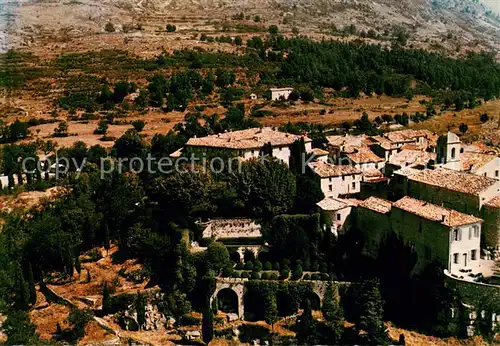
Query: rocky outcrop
column 153, row 318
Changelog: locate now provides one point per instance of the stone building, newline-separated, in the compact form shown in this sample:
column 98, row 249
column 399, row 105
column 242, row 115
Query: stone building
column 338, row 212
column 432, row 232
column 337, row 145
column 240, row 235
column 391, row 143
column 438, row 234
column 464, row 192
column 248, row 144
column 280, row 93
column 452, row 154
column 409, row 158
column 337, row 180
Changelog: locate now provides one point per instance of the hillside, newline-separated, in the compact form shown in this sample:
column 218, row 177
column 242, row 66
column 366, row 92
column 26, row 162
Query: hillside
column 449, row 25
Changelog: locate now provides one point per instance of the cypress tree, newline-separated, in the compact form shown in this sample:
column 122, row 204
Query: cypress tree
column 106, row 299
column 78, row 265
column 306, row 326
column 22, row 299
column 88, row 276
column 333, row 314
column 106, row 237
column 271, row 310
column 31, row 285
column 140, row 308
column 371, row 314
column 207, row 326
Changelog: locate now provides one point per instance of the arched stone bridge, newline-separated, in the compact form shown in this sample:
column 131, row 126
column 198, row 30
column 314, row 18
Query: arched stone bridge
column 238, row 287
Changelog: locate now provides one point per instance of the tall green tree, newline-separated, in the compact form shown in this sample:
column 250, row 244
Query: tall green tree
column 333, row 314
column 140, row 308
column 306, row 326
column 371, row 308
column 31, row 284
column 106, row 299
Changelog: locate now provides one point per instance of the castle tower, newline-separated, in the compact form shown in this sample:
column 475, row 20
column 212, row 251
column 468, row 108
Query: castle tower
column 448, row 151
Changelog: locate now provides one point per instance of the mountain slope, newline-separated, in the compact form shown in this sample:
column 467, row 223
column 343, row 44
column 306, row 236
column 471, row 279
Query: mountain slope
column 469, row 22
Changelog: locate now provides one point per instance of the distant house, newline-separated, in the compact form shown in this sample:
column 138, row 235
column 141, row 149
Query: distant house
column 253, row 96
column 280, row 93
column 248, row 144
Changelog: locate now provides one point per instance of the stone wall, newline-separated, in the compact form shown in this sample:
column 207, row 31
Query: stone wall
column 482, row 301
column 465, row 203
column 491, row 226
column 374, row 227
column 429, row 239
column 473, row 292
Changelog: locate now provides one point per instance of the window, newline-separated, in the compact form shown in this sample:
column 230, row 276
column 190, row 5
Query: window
column 338, row 217
column 343, row 177
column 473, row 255
column 330, row 187
column 476, row 231
column 455, row 234
column 453, row 153
column 330, row 179
column 496, row 173
column 470, row 232
column 353, row 185
column 455, row 258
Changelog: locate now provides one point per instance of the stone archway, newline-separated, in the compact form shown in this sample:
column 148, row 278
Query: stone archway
column 237, row 286
column 227, row 301
column 313, row 298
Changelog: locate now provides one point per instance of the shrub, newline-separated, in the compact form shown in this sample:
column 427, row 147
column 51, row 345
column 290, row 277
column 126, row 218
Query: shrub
column 138, row 125
column 255, row 276
column 257, row 19
column 276, row 266
column 258, row 265
column 284, row 274
column 322, row 112
column 307, row 277
column 171, row 28
column 239, row 265
column 109, row 27
column 245, row 275
column 324, row 276
column 274, row 276
column 236, row 275
column 267, row 265
column 297, row 272
column 227, row 271
column 266, row 276
column 248, row 265
column 315, row 277
column 484, row 117
column 188, row 320
column 315, row 267
column 273, row 30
